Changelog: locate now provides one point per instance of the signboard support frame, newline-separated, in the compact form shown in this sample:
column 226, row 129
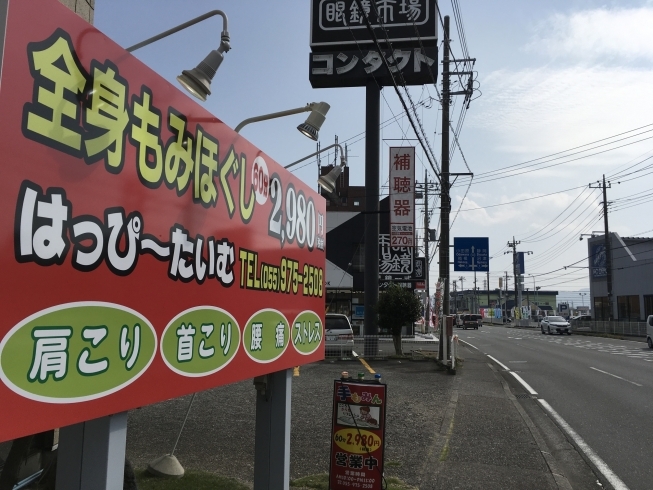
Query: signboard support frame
column 91, row 454
column 372, row 172
column 272, row 433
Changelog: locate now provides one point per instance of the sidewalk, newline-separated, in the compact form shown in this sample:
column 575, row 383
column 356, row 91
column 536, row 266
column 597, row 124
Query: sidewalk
column 442, row 431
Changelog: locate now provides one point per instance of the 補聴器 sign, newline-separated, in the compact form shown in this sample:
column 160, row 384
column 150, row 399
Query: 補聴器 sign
column 471, row 254
column 402, row 196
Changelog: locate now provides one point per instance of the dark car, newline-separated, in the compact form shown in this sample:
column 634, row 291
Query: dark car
column 472, row 321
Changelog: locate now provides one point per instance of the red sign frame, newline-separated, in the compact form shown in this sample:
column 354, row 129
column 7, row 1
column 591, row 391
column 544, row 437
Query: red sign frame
column 357, row 435
column 148, row 251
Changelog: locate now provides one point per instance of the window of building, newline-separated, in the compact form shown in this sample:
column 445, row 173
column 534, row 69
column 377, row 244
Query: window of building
column 357, row 203
column 628, row 307
column 648, row 305
column 343, row 200
column 601, row 309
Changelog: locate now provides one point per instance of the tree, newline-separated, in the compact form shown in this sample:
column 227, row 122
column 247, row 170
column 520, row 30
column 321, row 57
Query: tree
column 398, row 307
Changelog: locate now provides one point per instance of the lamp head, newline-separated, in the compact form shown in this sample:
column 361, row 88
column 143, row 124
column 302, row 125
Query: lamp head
column 314, row 121
column 198, row 80
column 328, row 181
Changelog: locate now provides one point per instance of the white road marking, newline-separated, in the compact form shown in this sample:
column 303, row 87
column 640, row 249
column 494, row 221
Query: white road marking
column 524, row 384
column 503, row 366
column 605, row 470
column 465, row 342
column 615, row 376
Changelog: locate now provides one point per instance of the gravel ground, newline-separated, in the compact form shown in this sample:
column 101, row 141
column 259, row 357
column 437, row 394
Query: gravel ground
column 219, row 434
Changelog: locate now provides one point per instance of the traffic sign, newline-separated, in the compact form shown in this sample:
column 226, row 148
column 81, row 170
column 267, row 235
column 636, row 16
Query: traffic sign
column 471, row 254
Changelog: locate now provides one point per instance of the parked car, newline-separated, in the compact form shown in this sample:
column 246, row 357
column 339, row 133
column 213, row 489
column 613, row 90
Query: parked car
column 339, row 336
column 550, row 324
column 458, row 320
column 649, row 331
column 472, row 321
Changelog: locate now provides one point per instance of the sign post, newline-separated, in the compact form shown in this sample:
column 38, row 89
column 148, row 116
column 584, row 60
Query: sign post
column 346, row 52
column 357, row 435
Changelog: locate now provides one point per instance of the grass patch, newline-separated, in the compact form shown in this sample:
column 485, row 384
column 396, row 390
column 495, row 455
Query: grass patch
column 321, row 482
column 192, row 480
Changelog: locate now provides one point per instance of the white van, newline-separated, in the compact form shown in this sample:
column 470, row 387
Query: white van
column 649, row 331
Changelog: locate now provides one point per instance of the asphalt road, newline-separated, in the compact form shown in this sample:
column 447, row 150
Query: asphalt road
column 603, row 388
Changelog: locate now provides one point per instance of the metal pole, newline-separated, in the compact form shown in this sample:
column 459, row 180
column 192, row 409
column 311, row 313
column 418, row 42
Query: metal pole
column 488, row 288
column 608, row 254
column 427, row 310
column 444, row 192
column 225, row 29
column 372, row 185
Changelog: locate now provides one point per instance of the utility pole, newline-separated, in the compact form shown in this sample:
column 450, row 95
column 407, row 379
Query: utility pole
column 444, row 191
column 462, row 288
column 475, row 308
column 506, row 301
column 455, row 300
column 445, row 200
column 513, row 245
column 608, row 252
column 488, row 288
column 427, row 309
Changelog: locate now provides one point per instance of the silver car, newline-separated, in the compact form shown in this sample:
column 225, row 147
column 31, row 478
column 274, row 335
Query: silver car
column 339, row 336
column 550, row 324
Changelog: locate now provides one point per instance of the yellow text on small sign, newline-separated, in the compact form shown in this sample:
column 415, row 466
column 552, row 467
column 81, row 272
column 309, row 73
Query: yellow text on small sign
column 357, row 441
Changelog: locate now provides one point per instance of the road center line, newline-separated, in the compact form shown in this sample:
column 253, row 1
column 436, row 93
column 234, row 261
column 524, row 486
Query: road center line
column 502, row 365
column 605, row 470
column 615, row 376
column 524, row 384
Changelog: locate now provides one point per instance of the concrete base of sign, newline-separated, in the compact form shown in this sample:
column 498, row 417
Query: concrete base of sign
column 166, row 466
column 92, row 454
column 272, row 439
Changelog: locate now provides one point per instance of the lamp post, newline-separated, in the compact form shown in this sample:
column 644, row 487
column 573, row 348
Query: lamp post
column 582, row 297
column 310, row 128
column 198, row 80
column 328, row 181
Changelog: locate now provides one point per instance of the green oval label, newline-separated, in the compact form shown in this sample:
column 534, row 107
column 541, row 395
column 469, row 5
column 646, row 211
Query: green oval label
column 307, row 332
column 200, row 341
column 76, row 352
column 266, row 335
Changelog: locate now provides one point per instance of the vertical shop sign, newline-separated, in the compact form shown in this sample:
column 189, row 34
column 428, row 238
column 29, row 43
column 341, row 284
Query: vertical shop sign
column 357, row 435
column 402, row 196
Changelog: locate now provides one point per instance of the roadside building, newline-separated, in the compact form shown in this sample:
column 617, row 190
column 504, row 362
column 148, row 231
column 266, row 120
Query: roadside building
column 471, row 301
column 632, row 270
column 345, row 252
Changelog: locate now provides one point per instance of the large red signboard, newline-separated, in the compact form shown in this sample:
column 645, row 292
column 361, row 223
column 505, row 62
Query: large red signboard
column 357, row 435
column 147, row 250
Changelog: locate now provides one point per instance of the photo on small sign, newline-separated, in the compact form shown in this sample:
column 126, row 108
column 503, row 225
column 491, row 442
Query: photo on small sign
column 358, row 416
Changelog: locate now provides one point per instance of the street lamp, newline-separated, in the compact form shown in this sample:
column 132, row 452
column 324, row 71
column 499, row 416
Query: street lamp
column 309, row 128
column 198, row 80
column 328, row 181
column 582, row 297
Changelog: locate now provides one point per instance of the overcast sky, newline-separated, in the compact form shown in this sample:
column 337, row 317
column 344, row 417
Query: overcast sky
column 552, row 76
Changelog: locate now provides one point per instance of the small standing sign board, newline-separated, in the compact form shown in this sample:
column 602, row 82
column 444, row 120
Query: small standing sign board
column 357, row 435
